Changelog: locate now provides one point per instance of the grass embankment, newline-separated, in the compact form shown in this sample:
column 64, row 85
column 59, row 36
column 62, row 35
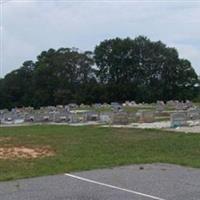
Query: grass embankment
column 83, row 148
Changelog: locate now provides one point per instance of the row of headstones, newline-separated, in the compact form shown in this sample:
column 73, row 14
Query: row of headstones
column 31, row 110
column 48, row 113
column 175, row 103
column 62, row 114
column 179, row 119
column 68, row 107
column 57, row 117
column 104, row 117
column 161, row 106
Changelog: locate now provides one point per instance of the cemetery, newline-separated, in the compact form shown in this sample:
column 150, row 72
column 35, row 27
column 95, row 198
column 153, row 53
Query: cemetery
column 99, row 100
column 171, row 115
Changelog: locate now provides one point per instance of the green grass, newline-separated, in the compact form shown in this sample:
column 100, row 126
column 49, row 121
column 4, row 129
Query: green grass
column 197, row 104
column 90, row 147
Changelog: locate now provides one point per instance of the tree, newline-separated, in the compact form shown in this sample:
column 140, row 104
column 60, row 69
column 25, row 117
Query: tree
column 16, row 86
column 143, row 70
column 61, row 76
column 119, row 69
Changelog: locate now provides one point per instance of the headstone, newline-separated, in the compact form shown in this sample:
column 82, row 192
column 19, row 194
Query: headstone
column 132, row 117
column 19, row 121
column 84, row 106
column 105, row 105
column 160, row 106
column 120, row 118
column 29, row 118
column 61, row 117
column 105, row 117
column 73, row 118
column 67, row 108
column 116, row 107
column 178, row 119
column 180, row 106
column 46, row 118
column 189, row 104
column 146, row 117
column 73, row 106
column 8, row 118
column 171, row 104
column 92, row 116
column 38, row 117
column 193, row 114
column 97, row 105
column 133, row 103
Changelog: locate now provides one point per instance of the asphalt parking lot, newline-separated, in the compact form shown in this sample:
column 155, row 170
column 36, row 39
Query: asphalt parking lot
column 135, row 182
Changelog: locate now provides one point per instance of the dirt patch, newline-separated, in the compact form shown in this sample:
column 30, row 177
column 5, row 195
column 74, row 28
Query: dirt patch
column 4, row 139
column 24, row 152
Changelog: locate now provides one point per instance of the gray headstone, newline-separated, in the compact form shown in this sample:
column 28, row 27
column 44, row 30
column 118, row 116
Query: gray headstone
column 178, row 119
column 120, row 118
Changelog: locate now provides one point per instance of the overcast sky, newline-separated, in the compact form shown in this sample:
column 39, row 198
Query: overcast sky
column 29, row 27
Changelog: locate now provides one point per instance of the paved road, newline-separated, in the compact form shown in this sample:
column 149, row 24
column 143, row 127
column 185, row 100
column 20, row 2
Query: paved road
column 156, row 181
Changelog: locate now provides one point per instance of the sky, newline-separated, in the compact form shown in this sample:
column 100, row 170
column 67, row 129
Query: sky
column 30, row 26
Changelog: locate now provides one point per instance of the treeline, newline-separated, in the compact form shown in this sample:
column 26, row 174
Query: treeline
column 118, row 70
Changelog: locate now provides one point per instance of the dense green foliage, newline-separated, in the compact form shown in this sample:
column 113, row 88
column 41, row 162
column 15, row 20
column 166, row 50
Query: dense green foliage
column 118, row 70
column 87, row 147
column 144, row 71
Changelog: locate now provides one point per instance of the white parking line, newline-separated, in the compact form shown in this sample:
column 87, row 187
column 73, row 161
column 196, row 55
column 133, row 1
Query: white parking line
column 114, row 187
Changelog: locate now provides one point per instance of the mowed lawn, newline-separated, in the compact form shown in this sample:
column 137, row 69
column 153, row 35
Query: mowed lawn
column 90, row 147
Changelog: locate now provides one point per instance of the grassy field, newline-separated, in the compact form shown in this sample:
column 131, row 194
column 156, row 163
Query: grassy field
column 90, row 147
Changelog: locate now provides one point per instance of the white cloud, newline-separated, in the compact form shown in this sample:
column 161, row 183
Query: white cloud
column 33, row 26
